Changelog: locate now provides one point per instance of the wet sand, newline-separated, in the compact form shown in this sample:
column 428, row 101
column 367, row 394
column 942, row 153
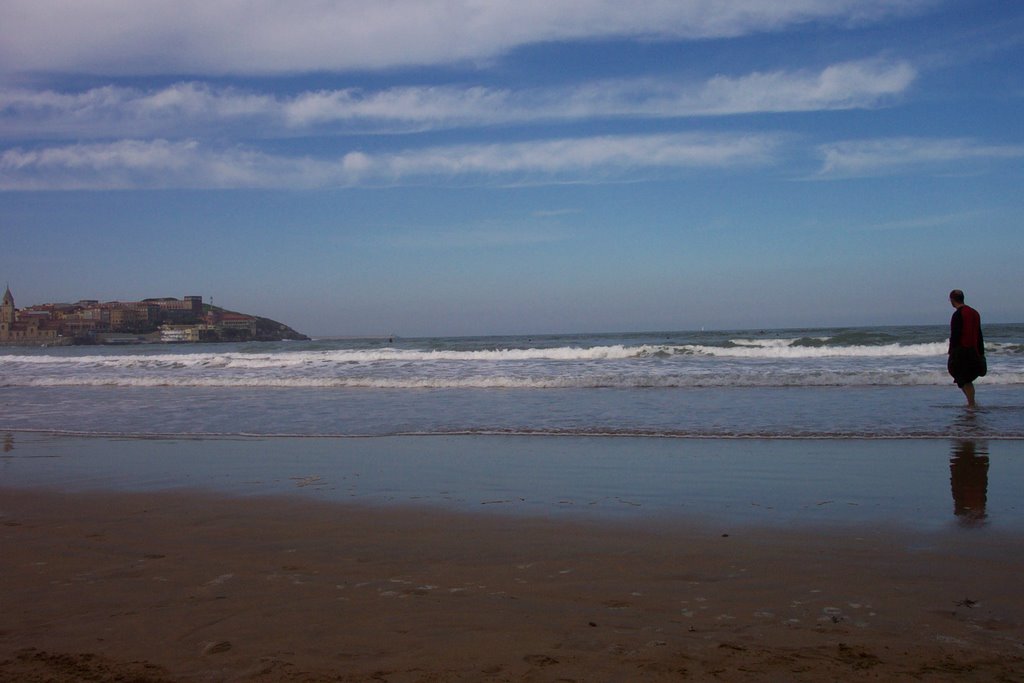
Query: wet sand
column 925, row 485
column 191, row 586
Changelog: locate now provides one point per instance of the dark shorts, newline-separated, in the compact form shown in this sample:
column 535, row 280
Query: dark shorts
column 965, row 365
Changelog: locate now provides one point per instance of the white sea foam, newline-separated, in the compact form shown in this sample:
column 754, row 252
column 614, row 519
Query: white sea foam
column 767, row 343
column 623, row 381
column 752, row 349
column 299, row 358
column 789, row 350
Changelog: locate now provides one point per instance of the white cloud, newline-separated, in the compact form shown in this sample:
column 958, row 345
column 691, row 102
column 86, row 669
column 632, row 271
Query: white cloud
column 118, row 111
column 595, row 155
column 134, row 164
column 269, row 36
column 429, row 107
column 887, row 156
column 850, row 85
column 190, row 108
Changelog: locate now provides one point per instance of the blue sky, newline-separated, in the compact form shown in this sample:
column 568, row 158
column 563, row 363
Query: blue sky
column 447, row 167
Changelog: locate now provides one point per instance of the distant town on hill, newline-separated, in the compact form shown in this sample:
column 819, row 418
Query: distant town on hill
column 160, row 320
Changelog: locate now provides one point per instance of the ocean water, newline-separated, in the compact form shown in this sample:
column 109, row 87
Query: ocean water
column 887, row 382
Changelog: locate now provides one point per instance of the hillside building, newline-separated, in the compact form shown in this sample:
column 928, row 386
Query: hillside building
column 25, row 329
column 163, row 319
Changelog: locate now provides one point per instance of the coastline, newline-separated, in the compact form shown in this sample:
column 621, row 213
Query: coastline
column 190, row 586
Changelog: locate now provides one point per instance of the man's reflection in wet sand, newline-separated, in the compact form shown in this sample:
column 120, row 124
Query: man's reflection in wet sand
column 968, row 476
column 8, row 443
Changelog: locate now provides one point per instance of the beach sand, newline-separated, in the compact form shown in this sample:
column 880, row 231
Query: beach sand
column 190, row 586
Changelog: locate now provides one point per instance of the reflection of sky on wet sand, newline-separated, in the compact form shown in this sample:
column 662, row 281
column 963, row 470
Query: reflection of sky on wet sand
column 772, row 482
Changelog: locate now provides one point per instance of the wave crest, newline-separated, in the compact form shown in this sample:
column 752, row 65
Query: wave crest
column 590, row 381
column 737, row 348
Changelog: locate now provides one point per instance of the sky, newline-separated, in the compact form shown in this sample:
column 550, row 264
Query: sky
column 460, row 167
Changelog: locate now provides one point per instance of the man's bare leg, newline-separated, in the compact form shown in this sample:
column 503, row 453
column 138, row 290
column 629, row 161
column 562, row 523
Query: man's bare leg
column 968, row 390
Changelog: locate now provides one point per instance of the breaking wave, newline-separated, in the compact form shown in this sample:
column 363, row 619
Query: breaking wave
column 738, row 348
column 863, row 359
column 623, row 381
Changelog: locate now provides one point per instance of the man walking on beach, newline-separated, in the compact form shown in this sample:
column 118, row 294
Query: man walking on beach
column 966, row 346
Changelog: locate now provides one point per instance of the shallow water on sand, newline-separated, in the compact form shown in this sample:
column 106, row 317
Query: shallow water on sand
column 922, row 484
column 763, row 412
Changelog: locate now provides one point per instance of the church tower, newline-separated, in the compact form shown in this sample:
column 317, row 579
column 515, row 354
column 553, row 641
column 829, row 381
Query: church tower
column 7, row 310
column 6, row 316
